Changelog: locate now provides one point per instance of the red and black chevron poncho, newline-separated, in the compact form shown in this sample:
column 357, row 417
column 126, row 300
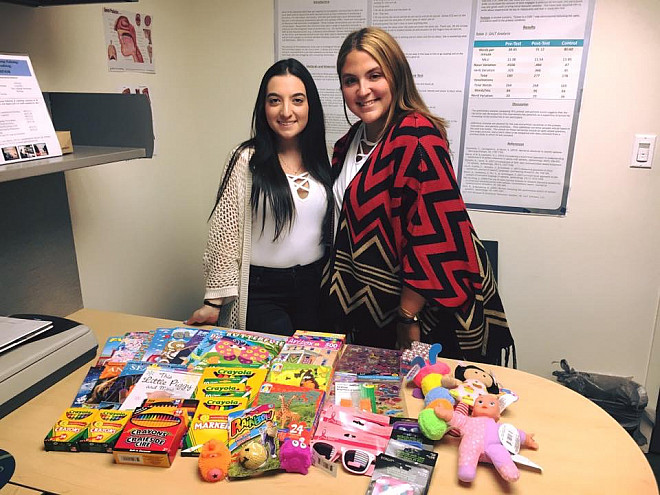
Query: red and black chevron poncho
column 403, row 221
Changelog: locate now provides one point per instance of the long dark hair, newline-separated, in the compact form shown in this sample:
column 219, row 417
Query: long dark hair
column 269, row 181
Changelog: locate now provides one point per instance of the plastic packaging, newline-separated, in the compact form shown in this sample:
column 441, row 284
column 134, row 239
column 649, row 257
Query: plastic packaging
column 621, row 397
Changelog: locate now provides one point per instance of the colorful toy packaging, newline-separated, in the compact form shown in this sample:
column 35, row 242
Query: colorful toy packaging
column 397, row 476
column 152, row 436
column 253, row 442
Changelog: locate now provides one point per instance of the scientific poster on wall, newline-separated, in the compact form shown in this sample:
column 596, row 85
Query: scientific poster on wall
column 26, row 130
column 494, row 69
column 128, row 40
column 522, row 107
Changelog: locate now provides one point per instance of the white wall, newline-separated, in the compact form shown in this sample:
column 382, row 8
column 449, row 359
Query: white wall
column 584, row 287
column 140, row 226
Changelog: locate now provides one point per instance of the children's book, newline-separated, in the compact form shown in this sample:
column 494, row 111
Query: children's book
column 224, row 346
column 312, row 335
column 103, row 386
column 253, row 442
column 157, row 344
column 300, row 375
column 296, row 409
column 306, row 355
column 179, row 349
column 133, row 346
column 370, row 363
column 87, row 386
column 161, row 383
column 173, row 345
column 109, row 348
column 122, row 386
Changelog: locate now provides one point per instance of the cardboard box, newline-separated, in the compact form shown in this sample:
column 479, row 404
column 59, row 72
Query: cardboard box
column 152, row 436
column 64, row 137
column 104, row 430
column 69, row 430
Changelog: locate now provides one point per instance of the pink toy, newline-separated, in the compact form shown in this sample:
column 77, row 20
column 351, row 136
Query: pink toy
column 481, row 441
column 295, row 457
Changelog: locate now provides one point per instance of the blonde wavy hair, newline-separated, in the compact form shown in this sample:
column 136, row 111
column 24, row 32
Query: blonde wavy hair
column 388, row 54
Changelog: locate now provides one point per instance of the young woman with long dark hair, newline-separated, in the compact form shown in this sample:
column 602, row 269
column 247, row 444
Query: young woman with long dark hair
column 271, row 225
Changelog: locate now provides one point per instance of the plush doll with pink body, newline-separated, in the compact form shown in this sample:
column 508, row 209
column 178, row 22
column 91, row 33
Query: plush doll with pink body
column 480, row 439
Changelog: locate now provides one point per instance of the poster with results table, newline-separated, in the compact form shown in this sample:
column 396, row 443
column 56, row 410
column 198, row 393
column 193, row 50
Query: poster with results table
column 505, row 75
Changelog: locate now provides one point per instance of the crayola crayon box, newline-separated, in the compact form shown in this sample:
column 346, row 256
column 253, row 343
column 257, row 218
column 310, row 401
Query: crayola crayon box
column 104, row 430
column 69, row 430
column 152, row 436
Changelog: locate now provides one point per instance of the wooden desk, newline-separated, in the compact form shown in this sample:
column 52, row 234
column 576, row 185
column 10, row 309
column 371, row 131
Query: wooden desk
column 582, row 449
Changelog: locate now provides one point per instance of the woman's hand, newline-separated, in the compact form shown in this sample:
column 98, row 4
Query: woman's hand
column 406, row 333
column 206, row 315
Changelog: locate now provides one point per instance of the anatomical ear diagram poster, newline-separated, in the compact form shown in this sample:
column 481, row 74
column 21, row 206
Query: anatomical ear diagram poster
column 128, row 40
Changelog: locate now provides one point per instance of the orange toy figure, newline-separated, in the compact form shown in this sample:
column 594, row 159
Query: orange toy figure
column 214, row 461
column 480, row 439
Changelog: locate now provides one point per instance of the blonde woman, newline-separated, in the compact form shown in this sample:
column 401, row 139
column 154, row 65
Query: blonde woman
column 407, row 263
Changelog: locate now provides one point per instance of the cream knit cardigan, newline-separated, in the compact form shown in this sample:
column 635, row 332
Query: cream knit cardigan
column 227, row 254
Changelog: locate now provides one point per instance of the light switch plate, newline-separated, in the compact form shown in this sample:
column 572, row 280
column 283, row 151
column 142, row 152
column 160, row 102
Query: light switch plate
column 643, row 150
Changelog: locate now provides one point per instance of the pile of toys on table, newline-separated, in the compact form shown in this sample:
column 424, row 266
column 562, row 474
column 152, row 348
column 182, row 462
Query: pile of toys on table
column 246, row 403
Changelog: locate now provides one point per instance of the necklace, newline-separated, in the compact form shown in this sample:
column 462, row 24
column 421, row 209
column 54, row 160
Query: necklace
column 364, row 146
column 364, row 138
column 287, row 169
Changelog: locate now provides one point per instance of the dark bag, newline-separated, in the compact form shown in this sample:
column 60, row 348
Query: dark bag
column 622, row 398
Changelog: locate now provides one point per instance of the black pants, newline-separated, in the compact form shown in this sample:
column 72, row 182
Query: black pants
column 282, row 300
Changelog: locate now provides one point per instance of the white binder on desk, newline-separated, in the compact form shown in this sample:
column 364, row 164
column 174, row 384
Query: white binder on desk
column 28, row 369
